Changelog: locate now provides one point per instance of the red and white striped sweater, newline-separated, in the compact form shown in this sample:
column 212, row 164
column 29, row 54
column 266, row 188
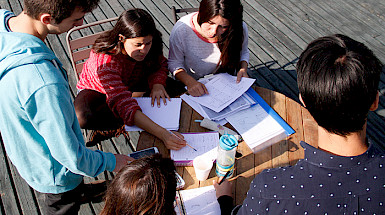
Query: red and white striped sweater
column 116, row 76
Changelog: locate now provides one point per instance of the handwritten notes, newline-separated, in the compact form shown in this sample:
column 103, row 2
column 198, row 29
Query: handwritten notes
column 197, row 201
column 205, row 143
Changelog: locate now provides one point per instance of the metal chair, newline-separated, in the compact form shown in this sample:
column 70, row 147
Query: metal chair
column 182, row 10
column 79, row 42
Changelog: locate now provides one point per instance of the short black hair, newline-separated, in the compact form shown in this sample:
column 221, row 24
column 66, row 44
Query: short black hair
column 58, row 9
column 338, row 81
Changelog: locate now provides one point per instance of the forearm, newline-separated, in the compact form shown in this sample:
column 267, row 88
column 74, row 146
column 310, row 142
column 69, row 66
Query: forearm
column 145, row 123
column 244, row 65
column 185, row 78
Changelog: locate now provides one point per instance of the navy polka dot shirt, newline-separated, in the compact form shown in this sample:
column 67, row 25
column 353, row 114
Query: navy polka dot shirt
column 321, row 183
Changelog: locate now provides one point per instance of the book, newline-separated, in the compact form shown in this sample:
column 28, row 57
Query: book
column 166, row 116
column 197, row 201
column 205, row 143
column 260, row 126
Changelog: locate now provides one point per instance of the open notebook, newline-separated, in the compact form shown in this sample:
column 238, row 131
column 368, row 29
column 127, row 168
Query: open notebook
column 205, row 143
column 197, row 201
column 166, row 116
column 260, row 126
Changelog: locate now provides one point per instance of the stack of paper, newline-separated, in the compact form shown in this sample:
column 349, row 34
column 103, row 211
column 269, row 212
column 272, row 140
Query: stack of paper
column 223, row 90
column 166, row 116
column 224, row 95
column 257, row 123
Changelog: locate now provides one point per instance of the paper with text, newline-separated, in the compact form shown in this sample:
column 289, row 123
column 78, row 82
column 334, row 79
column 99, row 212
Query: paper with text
column 198, row 201
column 205, row 143
column 255, row 125
column 223, row 90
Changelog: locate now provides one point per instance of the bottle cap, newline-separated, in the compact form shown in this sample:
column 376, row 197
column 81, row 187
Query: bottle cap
column 228, row 141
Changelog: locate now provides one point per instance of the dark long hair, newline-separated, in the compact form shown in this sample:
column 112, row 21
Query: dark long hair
column 146, row 186
column 230, row 42
column 132, row 23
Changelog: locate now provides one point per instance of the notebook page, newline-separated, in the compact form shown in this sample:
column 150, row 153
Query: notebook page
column 255, row 125
column 205, row 143
column 166, row 116
column 200, row 201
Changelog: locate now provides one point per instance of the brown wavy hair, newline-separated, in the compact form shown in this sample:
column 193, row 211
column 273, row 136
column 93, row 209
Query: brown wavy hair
column 145, row 186
column 132, row 23
column 230, row 42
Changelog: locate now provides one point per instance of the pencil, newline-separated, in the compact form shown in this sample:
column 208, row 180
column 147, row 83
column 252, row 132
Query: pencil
column 224, row 177
column 181, row 139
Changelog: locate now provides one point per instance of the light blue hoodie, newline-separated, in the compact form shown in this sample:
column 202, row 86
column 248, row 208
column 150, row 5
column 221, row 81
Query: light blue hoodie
column 38, row 123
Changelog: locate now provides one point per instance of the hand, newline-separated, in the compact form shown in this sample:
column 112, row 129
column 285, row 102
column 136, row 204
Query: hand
column 242, row 73
column 121, row 161
column 196, row 88
column 224, row 189
column 174, row 141
column 157, row 93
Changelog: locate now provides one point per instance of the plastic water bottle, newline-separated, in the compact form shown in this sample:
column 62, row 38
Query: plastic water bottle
column 226, row 155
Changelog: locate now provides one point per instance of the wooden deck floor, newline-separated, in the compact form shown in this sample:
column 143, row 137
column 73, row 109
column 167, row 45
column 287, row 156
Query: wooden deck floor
column 278, row 31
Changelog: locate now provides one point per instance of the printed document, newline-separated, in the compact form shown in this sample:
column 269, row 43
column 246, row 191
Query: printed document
column 223, row 90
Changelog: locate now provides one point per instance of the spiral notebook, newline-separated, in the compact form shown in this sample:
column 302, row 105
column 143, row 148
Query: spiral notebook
column 205, row 143
column 166, row 116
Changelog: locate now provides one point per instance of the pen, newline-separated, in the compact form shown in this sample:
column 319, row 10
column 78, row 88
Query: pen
column 181, row 139
column 224, row 177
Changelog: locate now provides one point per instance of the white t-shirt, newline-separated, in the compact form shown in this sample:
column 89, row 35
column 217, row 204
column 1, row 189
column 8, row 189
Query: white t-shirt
column 193, row 53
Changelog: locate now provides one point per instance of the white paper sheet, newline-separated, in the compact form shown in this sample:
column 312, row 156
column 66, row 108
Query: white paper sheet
column 255, row 126
column 205, row 143
column 166, row 116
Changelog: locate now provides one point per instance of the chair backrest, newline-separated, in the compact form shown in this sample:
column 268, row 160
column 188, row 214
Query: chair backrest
column 182, row 10
column 80, row 40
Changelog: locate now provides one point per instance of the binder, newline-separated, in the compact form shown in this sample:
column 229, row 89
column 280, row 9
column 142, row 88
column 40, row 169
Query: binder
column 260, row 126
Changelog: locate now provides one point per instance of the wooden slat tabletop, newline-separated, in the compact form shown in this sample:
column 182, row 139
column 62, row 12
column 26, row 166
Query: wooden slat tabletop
column 283, row 153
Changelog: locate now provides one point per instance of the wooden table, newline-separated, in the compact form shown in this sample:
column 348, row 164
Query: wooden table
column 283, row 153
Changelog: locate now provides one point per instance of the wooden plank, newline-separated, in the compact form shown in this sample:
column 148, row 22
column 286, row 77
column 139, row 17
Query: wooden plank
column 9, row 201
column 25, row 197
column 294, row 119
column 279, row 150
column 4, row 4
column 309, row 128
column 263, row 158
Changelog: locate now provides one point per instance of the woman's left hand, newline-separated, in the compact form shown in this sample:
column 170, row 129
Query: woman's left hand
column 242, row 73
column 158, row 92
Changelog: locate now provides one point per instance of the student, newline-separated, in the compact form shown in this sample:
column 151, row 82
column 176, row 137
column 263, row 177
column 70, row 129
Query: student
column 213, row 40
column 124, row 60
column 39, row 127
column 145, row 186
column 338, row 79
